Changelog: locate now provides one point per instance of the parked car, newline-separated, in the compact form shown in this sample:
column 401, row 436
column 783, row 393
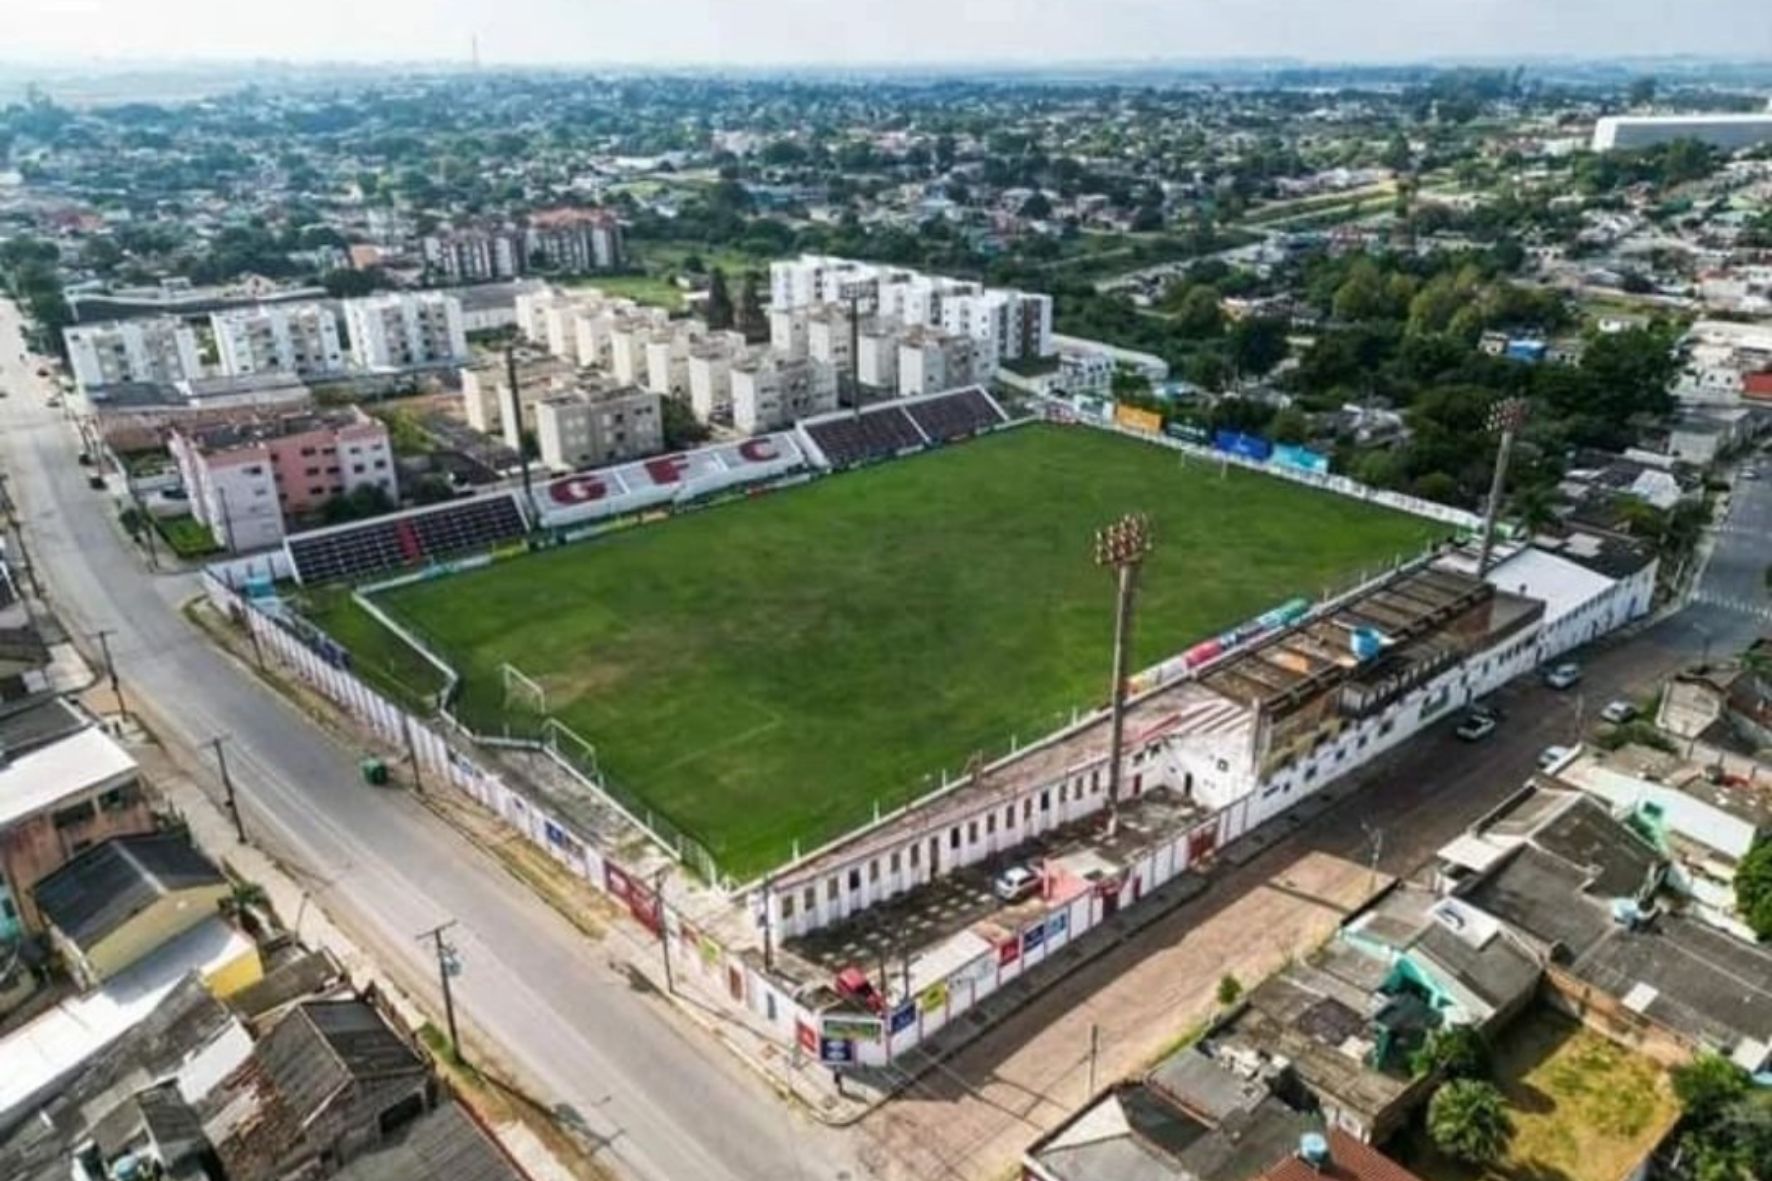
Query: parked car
column 853, row 983
column 1550, row 756
column 1563, row 675
column 1618, row 712
column 1015, row 883
column 1475, row 727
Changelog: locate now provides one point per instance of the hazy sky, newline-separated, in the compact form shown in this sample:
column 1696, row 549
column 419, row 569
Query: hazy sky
column 870, row 31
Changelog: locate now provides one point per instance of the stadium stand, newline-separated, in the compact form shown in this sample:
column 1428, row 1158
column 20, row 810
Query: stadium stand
column 405, row 539
column 877, row 433
column 957, row 415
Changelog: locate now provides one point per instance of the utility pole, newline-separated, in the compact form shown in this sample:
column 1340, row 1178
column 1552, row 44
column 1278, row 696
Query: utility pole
column 664, row 935
column 233, row 805
column 1094, row 1054
column 768, row 924
column 1506, row 417
column 448, row 965
column 1375, row 836
column 513, row 408
column 103, row 636
column 418, row 781
column 1122, row 547
column 855, row 348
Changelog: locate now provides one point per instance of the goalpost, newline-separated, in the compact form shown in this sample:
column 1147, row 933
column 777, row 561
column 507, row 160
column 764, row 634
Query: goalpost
column 524, row 691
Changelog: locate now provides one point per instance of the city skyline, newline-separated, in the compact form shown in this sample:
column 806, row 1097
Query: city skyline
column 915, row 32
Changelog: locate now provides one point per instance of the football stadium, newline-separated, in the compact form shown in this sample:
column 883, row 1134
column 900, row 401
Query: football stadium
column 775, row 671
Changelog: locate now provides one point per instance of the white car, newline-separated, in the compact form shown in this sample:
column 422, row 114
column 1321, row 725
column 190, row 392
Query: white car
column 1563, row 675
column 1550, row 756
column 1619, row 712
column 1015, row 883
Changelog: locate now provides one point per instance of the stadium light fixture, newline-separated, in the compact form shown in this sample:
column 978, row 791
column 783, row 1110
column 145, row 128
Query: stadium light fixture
column 1121, row 547
column 1506, row 418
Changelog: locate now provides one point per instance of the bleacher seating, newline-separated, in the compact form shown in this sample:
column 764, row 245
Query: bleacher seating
column 957, row 415
column 405, row 539
column 878, row 432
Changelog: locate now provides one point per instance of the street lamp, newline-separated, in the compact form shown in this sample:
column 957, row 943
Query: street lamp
column 1506, row 418
column 1121, row 547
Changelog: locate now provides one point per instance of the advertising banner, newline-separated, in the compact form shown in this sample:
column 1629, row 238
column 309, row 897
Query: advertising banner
column 1032, row 938
column 1188, row 432
column 1008, row 953
column 649, row 483
column 851, row 1028
column 808, row 1037
column 1148, row 421
column 902, row 1018
column 1057, row 923
column 1302, row 458
column 1248, row 446
column 835, row 1051
column 934, row 997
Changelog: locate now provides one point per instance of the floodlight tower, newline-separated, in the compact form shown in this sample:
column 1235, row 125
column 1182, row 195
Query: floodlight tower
column 1506, row 417
column 1121, row 547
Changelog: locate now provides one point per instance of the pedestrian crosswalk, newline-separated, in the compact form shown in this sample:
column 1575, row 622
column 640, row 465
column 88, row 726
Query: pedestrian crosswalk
column 1740, row 606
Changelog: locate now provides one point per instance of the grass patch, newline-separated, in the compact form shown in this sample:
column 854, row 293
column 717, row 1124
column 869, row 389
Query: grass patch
column 377, row 656
column 1583, row 1108
column 188, row 537
column 768, row 672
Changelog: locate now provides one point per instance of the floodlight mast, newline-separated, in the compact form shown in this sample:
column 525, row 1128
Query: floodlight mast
column 1506, row 417
column 1121, row 547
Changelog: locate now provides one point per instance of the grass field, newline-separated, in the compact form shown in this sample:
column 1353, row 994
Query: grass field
column 1583, row 1108
column 768, row 671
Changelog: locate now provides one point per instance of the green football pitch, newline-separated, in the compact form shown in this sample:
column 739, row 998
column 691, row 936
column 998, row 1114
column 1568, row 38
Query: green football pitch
column 771, row 671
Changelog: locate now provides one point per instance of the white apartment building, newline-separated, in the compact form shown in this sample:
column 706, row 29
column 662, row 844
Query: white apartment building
column 160, row 349
column 1010, row 324
column 828, row 338
column 475, row 254
column 787, row 332
column 931, row 360
column 297, row 338
column 405, row 329
column 585, row 428
column 484, row 393
column 772, row 392
column 877, row 359
column 1726, row 132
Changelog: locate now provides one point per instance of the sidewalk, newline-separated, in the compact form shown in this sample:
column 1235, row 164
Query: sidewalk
column 183, row 788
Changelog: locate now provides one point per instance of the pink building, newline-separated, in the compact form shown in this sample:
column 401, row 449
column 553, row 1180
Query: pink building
column 245, row 479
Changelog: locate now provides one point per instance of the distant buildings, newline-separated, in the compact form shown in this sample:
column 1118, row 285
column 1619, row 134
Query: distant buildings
column 569, row 241
column 1727, row 132
column 407, row 329
column 300, row 339
column 121, row 352
column 591, row 426
column 246, row 479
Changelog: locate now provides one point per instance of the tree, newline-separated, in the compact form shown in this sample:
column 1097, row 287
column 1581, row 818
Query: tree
column 719, row 307
column 1753, row 887
column 1230, row 989
column 348, row 284
column 1468, row 1121
column 1457, row 1051
column 681, row 428
column 365, row 500
column 1707, row 1084
column 1257, row 344
column 1289, row 426
column 1037, row 207
column 1198, row 314
column 1641, row 91
column 752, row 320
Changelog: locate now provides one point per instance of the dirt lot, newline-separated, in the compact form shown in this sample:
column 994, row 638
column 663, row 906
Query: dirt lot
column 972, row 1117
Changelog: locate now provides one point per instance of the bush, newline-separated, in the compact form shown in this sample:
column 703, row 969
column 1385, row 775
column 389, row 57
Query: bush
column 1230, row 989
column 1458, row 1051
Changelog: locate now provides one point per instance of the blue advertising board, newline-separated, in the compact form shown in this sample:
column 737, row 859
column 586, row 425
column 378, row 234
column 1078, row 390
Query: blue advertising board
column 1302, row 458
column 1237, row 443
column 1187, row 431
column 902, row 1017
column 1033, row 937
column 836, row 1050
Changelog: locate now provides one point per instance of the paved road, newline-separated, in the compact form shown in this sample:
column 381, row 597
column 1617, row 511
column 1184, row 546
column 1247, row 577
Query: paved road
column 668, row 1105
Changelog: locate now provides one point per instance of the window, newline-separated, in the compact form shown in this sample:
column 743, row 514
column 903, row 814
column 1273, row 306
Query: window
column 787, row 906
column 1009, row 817
column 830, row 890
column 874, row 870
column 916, row 855
column 117, row 799
column 855, row 878
column 972, row 832
column 954, row 837
column 1046, row 800
column 1027, row 808
column 809, row 898
column 990, row 824
column 892, row 862
column 313, row 471
column 74, row 815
